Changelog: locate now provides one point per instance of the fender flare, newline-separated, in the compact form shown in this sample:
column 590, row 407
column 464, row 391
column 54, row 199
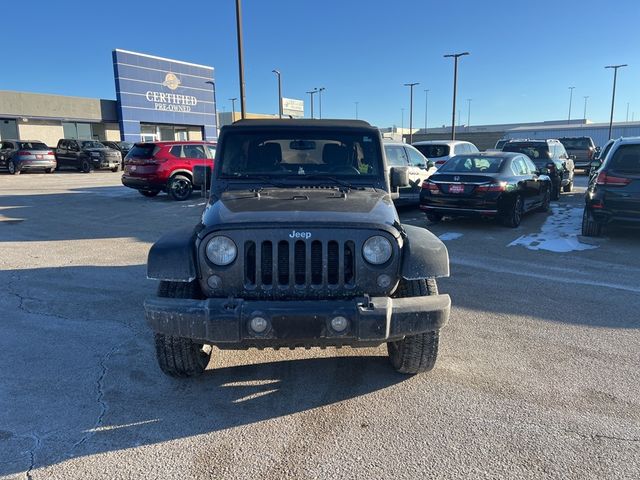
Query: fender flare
column 172, row 257
column 423, row 255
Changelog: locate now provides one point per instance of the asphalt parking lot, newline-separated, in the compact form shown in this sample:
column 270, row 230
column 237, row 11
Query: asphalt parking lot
column 537, row 377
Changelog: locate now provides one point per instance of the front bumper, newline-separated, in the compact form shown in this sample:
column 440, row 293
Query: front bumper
column 225, row 322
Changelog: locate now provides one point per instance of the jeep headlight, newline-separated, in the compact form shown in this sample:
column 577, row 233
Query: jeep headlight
column 221, row 250
column 377, row 250
column 95, row 154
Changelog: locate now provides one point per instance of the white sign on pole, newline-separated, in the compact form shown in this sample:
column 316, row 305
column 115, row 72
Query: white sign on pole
column 292, row 107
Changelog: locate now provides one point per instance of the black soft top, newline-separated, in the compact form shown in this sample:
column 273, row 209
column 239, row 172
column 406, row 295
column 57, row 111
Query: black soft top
column 302, row 123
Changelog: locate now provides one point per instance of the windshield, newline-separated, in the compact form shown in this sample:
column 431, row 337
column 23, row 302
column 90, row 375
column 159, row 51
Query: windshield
column 466, row 164
column 433, row 151
column 576, row 143
column 33, row 146
column 125, row 145
column 91, row 144
column 533, row 151
column 314, row 153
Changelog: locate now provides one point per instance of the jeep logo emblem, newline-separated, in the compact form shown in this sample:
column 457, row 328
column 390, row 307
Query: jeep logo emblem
column 305, row 235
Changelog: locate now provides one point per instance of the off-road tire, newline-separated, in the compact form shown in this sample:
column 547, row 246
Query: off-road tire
column 415, row 353
column 180, row 187
column 590, row 227
column 85, row 166
column 177, row 356
column 513, row 217
column 568, row 187
column 546, row 202
column 12, row 168
column 434, row 217
column 116, row 168
column 49, row 170
column 149, row 193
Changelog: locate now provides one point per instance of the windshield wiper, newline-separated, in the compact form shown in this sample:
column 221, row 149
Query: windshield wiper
column 322, row 176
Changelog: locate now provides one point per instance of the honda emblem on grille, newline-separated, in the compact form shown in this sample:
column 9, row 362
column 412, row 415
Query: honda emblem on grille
column 456, row 179
column 305, row 235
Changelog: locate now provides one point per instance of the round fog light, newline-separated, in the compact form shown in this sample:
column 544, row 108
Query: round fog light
column 214, row 281
column 339, row 324
column 384, row 280
column 258, row 324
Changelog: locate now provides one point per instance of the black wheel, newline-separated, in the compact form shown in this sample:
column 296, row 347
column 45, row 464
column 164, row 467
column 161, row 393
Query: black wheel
column 415, row 353
column 555, row 191
column 12, row 168
column 49, row 170
column 86, row 166
column 568, row 187
column 116, row 168
column 590, row 227
column 177, row 356
column 546, row 201
column 514, row 216
column 434, row 217
column 180, row 187
column 149, row 193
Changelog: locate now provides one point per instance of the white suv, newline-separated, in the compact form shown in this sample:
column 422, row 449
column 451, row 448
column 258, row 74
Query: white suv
column 442, row 150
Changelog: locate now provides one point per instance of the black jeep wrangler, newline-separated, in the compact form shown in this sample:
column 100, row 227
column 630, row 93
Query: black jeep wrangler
column 299, row 246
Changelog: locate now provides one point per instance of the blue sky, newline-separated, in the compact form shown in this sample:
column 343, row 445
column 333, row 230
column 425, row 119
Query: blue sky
column 524, row 54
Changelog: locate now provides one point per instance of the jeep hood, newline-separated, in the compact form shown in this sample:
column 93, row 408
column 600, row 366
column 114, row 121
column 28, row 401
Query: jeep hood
column 292, row 206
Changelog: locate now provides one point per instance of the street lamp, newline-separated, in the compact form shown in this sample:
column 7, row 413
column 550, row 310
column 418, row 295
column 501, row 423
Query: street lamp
column 356, row 109
column 243, row 110
column 627, row 117
column 233, row 109
column 411, row 85
column 277, row 72
column 426, row 109
column 613, row 95
column 320, row 101
column 469, row 113
column 570, row 99
column 311, row 95
column 585, row 108
column 402, row 122
column 455, row 57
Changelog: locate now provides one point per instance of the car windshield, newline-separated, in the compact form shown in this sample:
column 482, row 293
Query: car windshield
column 33, row 146
column 91, row 144
column 126, row 145
column 575, row 143
column 473, row 164
column 626, row 159
column 500, row 144
column 433, row 151
column 312, row 153
column 533, row 151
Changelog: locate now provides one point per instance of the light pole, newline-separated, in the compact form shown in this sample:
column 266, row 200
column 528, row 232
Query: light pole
column 311, row 95
column 426, row 109
column 233, row 109
column 402, row 122
column 277, row 72
column 356, row 109
column 320, row 101
column 411, row 85
column 243, row 110
column 586, row 97
column 613, row 95
column 455, row 57
column 570, row 98
column 469, row 113
column 627, row 118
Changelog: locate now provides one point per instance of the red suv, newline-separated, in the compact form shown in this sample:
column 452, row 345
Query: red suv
column 165, row 166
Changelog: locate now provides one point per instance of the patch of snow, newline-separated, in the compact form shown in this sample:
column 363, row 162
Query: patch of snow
column 559, row 232
column 449, row 236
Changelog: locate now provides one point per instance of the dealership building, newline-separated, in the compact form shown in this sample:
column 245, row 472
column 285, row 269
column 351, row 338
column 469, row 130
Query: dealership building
column 156, row 99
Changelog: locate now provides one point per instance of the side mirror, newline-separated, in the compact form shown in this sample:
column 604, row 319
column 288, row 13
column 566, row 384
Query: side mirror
column 399, row 177
column 202, row 175
column 430, row 164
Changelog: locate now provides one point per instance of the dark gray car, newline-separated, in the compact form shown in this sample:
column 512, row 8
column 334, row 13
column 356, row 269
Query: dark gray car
column 582, row 148
column 22, row 155
column 87, row 155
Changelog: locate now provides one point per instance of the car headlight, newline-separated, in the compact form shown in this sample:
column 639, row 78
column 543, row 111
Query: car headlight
column 377, row 250
column 95, row 154
column 221, row 250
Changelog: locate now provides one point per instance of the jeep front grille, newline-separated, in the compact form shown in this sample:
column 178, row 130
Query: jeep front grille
column 299, row 264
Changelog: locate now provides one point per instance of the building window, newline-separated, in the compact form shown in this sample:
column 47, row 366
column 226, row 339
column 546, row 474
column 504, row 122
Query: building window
column 77, row 131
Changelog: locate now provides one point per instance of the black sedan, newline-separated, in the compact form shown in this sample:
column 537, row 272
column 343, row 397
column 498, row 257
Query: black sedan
column 499, row 185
